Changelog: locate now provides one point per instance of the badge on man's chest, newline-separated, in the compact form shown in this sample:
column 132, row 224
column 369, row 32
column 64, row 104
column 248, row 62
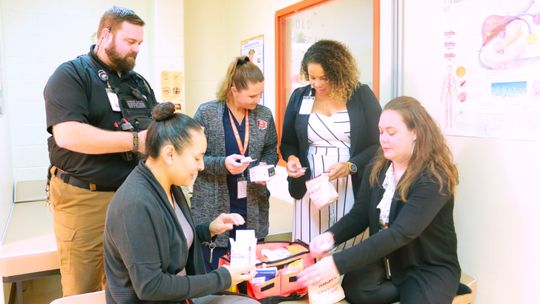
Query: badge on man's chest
column 307, row 105
column 113, row 100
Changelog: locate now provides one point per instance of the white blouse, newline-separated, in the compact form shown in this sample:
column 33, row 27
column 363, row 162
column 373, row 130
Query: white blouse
column 389, row 186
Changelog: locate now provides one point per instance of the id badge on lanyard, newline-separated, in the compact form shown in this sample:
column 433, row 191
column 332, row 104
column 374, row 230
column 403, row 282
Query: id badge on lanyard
column 307, row 105
column 242, row 187
column 113, row 100
column 241, row 182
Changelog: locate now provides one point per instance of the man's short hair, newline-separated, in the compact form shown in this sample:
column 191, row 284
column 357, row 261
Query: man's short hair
column 113, row 18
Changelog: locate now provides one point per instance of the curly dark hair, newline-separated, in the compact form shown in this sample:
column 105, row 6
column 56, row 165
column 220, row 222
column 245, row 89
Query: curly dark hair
column 338, row 64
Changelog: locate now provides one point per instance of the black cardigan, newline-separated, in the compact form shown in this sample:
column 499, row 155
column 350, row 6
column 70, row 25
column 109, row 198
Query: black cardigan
column 364, row 111
column 420, row 242
column 145, row 246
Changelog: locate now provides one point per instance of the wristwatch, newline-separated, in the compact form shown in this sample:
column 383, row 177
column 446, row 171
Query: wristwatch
column 352, row 167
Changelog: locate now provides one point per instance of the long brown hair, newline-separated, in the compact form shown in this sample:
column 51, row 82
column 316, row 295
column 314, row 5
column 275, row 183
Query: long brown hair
column 240, row 73
column 430, row 153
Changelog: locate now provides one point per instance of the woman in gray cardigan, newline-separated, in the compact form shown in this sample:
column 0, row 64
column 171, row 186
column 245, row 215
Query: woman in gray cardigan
column 236, row 126
column 152, row 248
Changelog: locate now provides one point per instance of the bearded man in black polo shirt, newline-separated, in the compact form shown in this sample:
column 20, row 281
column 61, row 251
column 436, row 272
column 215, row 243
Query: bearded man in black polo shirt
column 97, row 113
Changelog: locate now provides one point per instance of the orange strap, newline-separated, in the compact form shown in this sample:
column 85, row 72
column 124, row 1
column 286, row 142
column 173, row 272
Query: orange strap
column 242, row 148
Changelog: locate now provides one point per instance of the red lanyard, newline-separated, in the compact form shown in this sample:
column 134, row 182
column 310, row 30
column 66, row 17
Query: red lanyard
column 242, row 148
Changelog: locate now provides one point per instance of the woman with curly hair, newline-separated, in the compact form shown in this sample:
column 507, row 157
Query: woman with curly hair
column 330, row 127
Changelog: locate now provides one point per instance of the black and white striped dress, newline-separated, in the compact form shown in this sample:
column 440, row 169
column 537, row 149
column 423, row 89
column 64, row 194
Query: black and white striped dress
column 329, row 143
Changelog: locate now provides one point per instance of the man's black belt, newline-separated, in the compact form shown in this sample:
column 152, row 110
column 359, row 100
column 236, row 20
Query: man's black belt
column 70, row 179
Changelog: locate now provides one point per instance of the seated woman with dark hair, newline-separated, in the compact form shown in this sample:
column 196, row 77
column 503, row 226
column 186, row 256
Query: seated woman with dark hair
column 152, row 248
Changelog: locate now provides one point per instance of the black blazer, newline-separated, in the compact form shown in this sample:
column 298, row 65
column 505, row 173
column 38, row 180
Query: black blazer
column 420, row 242
column 364, row 111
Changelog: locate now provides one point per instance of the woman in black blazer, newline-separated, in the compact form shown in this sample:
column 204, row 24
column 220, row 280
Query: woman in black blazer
column 406, row 199
column 330, row 127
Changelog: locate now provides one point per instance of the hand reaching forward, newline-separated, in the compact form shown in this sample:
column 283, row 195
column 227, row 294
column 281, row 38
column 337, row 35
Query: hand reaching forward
column 233, row 165
column 338, row 170
column 225, row 222
column 240, row 274
column 294, row 167
column 322, row 271
column 321, row 245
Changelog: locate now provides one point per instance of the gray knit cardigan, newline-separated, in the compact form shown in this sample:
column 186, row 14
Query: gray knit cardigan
column 210, row 193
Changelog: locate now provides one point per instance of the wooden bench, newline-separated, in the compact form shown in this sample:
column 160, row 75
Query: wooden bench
column 29, row 250
column 27, row 259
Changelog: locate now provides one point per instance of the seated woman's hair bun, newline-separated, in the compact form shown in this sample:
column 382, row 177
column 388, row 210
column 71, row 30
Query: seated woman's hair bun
column 163, row 111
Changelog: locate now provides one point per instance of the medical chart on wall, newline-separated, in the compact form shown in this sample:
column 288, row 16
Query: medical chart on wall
column 491, row 79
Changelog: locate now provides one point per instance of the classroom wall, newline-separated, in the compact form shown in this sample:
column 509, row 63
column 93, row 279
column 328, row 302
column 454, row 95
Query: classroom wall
column 6, row 179
column 497, row 202
column 213, row 31
column 38, row 37
column 166, row 42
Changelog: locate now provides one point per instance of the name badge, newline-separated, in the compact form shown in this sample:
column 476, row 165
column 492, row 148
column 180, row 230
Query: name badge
column 242, row 188
column 307, row 105
column 113, row 100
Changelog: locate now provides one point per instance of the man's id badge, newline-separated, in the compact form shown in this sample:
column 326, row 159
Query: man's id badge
column 242, row 188
column 307, row 105
column 113, row 100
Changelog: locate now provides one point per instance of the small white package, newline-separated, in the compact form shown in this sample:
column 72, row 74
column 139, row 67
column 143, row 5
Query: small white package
column 321, row 191
column 261, row 173
column 243, row 249
column 328, row 292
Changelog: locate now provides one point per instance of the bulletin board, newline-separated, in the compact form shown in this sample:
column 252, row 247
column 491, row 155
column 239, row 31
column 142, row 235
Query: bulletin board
column 352, row 22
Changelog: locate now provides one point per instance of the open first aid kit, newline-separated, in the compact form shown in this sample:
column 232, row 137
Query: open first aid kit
column 277, row 265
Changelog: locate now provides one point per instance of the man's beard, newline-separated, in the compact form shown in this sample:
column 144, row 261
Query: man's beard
column 120, row 63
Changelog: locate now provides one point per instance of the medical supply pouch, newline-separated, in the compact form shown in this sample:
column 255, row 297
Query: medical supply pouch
column 278, row 264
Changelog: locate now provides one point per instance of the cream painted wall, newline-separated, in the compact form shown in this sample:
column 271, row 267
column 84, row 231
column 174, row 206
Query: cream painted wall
column 497, row 203
column 37, row 38
column 6, row 178
column 167, row 41
column 213, row 30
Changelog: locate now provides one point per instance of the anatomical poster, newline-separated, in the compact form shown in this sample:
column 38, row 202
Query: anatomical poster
column 491, row 84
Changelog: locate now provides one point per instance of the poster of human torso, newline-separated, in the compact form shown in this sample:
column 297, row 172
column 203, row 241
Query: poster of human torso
column 491, row 84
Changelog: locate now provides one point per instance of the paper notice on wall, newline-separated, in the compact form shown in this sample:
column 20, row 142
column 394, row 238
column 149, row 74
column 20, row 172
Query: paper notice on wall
column 172, row 86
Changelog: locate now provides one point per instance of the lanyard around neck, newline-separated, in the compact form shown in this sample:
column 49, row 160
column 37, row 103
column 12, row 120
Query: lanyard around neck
column 241, row 148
